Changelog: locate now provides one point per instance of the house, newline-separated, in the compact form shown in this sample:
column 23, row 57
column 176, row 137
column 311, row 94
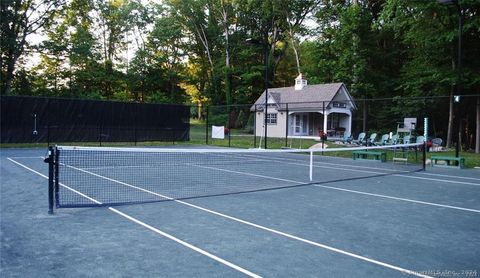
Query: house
column 305, row 110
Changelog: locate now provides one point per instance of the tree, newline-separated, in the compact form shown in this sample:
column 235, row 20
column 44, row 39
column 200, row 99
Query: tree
column 347, row 49
column 161, row 57
column 295, row 13
column 429, row 32
column 19, row 19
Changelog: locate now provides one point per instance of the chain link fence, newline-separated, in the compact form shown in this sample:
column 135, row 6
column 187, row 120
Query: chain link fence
column 302, row 125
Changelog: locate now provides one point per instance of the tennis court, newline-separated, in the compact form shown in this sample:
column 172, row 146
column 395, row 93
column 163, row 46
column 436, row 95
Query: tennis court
column 294, row 216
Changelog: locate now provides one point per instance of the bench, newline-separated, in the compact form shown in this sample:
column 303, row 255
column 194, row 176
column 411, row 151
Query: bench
column 460, row 160
column 381, row 156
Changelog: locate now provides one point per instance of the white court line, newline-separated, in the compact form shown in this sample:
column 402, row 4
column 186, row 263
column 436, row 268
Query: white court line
column 22, row 157
column 397, row 198
column 184, row 243
column 438, row 180
column 347, row 190
column 450, row 176
column 288, row 235
column 336, row 168
column 28, row 168
column 281, row 159
column 299, row 163
column 43, row 176
column 403, row 270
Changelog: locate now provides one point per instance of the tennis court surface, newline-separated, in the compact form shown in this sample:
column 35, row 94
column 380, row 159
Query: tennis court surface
column 180, row 213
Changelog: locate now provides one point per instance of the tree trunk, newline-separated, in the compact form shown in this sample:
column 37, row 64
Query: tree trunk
column 365, row 114
column 294, row 47
column 228, row 75
column 11, row 63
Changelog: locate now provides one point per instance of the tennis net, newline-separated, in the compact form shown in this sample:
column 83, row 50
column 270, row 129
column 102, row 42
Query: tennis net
column 106, row 176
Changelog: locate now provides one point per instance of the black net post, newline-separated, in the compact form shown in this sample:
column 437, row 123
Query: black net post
column 50, row 160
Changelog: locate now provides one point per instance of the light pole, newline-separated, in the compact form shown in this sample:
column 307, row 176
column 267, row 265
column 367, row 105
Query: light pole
column 265, row 53
column 459, row 65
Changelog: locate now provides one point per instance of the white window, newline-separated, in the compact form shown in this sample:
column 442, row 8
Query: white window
column 272, row 118
column 339, row 104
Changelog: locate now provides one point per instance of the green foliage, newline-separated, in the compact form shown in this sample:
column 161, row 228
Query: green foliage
column 218, row 119
column 183, row 51
column 249, row 126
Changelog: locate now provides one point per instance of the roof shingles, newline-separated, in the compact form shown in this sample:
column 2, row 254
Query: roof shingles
column 310, row 96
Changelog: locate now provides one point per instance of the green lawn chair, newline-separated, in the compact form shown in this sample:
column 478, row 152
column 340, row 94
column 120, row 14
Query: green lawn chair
column 360, row 140
column 347, row 138
column 371, row 141
column 393, row 141
column 383, row 140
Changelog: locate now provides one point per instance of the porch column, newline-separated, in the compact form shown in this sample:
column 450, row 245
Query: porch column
column 348, row 129
column 325, row 122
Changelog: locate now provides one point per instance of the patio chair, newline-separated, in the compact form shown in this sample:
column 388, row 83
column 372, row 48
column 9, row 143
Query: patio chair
column 371, row 140
column 420, row 139
column 436, row 144
column 393, row 140
column 347, row 139
column 360, row 140
column 383, row 140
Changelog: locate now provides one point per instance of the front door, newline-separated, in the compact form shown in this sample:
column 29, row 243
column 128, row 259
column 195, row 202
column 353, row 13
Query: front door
column 300, row 124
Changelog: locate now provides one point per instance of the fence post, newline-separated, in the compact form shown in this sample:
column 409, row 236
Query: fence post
column 135, row 118
column 324, row 131
column 255, row 127
column 48, row 134
column 424, row 155
column 229, row 125
column 206, row 125
column 286, row 126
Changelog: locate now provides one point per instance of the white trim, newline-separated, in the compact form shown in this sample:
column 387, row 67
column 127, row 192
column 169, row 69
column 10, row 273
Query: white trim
column 179, row 150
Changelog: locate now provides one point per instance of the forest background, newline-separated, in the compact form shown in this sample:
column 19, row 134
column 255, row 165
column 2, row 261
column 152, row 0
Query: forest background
column 196, row 51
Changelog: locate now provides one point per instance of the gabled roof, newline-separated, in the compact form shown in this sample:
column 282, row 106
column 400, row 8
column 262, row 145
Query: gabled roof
column 311, row 96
